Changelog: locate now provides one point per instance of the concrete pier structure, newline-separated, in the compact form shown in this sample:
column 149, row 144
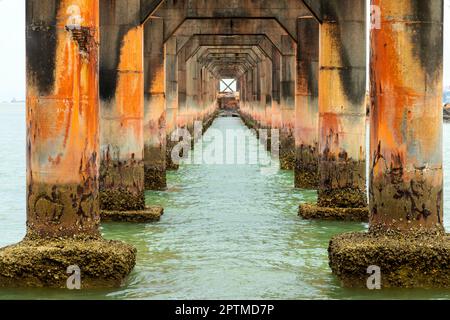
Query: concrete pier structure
column 406, row 238
column 63, row 155
column 111, row 84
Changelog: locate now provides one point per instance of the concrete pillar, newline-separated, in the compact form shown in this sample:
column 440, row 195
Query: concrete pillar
column 182, row 120
column 406, row 239
column 342, row 113
column 406, row 188
column 267, row 90
column 288, row 88
column 307, row 105
column 154, row 106
column 171, row 92
column 63, row 154
column 121, row 108
column 276, row 89
column 192, row 95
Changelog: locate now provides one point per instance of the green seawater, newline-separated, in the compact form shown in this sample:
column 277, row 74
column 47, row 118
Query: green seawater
column 230, row 231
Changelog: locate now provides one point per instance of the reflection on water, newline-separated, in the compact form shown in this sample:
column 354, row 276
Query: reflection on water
column 229, row 232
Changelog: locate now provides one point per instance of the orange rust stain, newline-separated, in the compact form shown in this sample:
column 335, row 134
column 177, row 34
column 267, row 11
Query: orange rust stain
column 64, row 124
column 399, row 81
column 331, row 128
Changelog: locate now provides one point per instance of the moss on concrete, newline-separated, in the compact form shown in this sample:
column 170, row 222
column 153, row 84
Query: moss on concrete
column 155, row 179
column 305, row 179
column 150, row 214
column 343, row 198
column 44, row 262
column 411, row 260
column 314, row 212
column 121, row 200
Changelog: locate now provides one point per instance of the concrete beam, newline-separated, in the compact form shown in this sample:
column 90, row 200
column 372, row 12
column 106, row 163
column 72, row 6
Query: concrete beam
column 285, row 12
column 271, row 28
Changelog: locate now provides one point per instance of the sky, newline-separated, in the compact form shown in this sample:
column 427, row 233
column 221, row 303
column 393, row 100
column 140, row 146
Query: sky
column 12, row 49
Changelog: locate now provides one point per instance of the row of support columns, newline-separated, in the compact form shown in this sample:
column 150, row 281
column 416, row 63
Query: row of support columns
column 99, row 131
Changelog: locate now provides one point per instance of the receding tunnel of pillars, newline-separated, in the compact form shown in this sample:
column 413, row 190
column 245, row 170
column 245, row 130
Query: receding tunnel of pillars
column 109, row 81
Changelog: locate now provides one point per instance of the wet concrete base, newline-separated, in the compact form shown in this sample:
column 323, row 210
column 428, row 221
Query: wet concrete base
column 44, row 263
column 150, row 214
column 405, row 260
column 155, row 179
column 315, row 212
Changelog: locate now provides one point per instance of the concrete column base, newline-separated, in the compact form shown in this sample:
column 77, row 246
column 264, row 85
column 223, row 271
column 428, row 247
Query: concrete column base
column 44, row 263
column 121, row 200
column 408, row 261
column 170, row 165
column 314, row 212
column 306, row 179
column 155, row 179
column 287, row 150
column 150, row 214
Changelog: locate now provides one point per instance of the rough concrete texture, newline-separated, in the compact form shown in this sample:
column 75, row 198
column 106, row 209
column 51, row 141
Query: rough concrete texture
column 155, row 179
column 287, row 150
column 310, row 212
column 121, row 200
column 343, row 198
column 44, row 262
column 408, row 260
column 170, row 165
column 150, row 214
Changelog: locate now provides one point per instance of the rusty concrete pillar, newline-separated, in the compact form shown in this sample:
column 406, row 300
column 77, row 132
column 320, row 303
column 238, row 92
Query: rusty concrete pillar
column 307, row 105
column 122, row 111
column 406, row 188
column 154, row 106
column 192, row 95
column 171, row 93
column 267, row 90
column 63, row 154
column 287, row 97
column 342, row 113
column 406, row 238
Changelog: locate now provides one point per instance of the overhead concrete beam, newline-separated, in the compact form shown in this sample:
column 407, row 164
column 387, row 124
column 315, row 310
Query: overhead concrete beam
column 285, row 12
